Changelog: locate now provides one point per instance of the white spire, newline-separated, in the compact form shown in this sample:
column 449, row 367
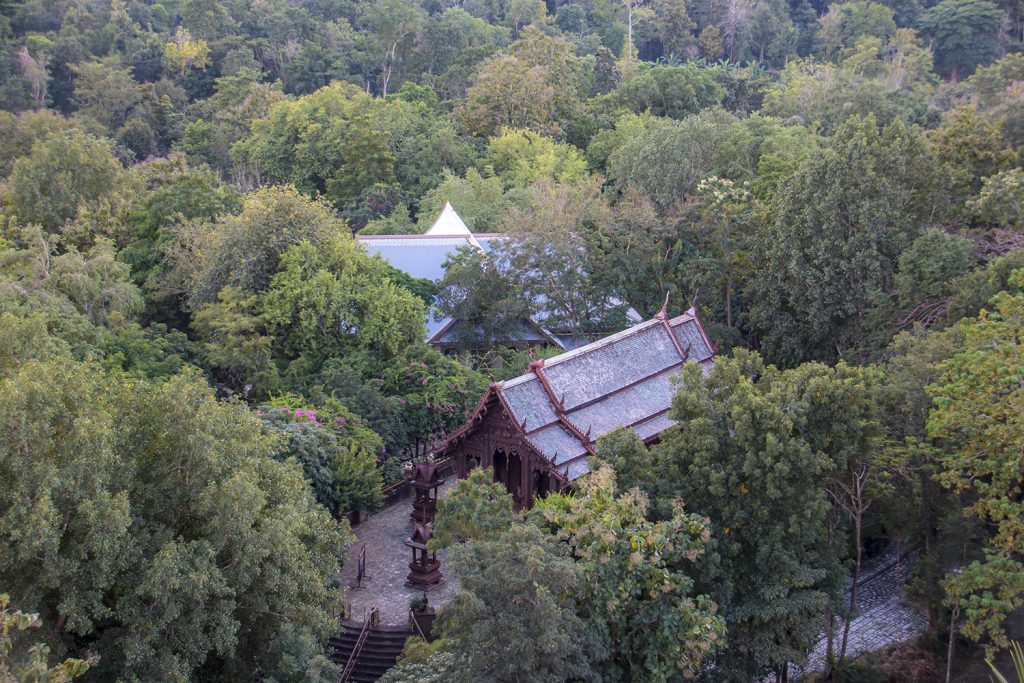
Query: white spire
column 449, row 223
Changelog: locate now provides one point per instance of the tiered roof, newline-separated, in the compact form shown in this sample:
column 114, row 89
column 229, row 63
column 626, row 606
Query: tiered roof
column 564, row 404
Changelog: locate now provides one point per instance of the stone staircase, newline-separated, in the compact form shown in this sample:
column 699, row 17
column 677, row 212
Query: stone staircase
column 383, row 645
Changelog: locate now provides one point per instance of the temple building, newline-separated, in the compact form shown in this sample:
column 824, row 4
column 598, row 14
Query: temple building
column 423, row 256
column 538, row 431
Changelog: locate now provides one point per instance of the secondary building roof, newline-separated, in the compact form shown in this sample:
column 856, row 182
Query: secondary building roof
column 423, row 256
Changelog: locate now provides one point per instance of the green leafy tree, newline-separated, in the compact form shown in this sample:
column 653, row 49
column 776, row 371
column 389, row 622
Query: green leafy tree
column 150, row 523
column 245, row 250
column 338, row 453
column 844, row 25
column 1001, row 200
column 666, row 161
column 92, row 287
column 479, row 199
column 34, row 668
column 334, row 299
column 963, row 34
column 754, row 451
column 482, row 298
column 535, row 84
column 522, row 157
column 973, row 147
column 672, row 91
column 636, row 591
column 979, row 402
column 340, row 142
column 393, row 28
column 553, row 262
column 829, row 251
column 64, row 173
column 235, row 343
column 476, row 509
column 534, row 636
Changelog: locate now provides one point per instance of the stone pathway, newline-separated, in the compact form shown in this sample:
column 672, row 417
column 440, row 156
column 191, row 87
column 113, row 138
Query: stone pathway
column 883, row 617
column 387, row 565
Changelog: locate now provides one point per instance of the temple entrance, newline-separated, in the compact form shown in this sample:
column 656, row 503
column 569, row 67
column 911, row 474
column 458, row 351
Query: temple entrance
column 514, row 480
column 541, row 484
column 500, row 467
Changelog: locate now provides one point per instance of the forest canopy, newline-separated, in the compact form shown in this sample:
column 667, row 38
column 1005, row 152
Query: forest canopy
column 203, row 371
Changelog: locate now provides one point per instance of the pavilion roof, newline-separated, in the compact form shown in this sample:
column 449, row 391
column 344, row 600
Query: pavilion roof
column 565, row 403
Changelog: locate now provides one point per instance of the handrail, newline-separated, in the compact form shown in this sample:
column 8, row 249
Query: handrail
column 357, row 649
column 412, row 620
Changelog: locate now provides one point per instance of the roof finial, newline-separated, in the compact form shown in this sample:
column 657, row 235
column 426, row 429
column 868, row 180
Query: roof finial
column 529, row 350
column 663, row 313
column 693, row 302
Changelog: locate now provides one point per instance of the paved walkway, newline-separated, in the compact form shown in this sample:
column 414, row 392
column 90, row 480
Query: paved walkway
column 883, row 617
column 387, row 565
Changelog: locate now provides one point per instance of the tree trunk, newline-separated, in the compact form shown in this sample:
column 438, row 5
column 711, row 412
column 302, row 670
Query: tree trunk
column 629, row 31
column 952, row 640
column 728, row 302
column 853, row 588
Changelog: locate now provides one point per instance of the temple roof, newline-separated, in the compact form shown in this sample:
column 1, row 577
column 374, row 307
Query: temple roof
column 565, row 403
column 423, row 256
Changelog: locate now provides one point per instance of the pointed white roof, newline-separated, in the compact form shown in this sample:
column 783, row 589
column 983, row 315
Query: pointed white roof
column 449, row 223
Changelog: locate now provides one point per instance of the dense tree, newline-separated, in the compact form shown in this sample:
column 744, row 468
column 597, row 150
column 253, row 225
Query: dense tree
column 672, row 91
column 335, row 300
column 978, row 407
column 666, row 162
column 338, row 453
column 777, row 570
column 839, row 226
column 245, row 250
column 636, row 592
column 65, row 174
column 478, row 292
column 340, row 142
column 34, row 665
column 477, row 509
column 535, row 84
column 963, row 34
column 216, row 573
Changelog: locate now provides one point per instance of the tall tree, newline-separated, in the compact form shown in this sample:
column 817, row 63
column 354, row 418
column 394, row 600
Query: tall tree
column 963, row 34
column 838, row 228
column 149, row 523
column 979, row 404
column 636, row 593
column 754, row 450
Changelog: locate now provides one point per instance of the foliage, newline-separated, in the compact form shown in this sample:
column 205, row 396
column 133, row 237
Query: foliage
column 635, row 574
column 64, row 174
column 335, row 300
column 753, row 451
column 476, row 509
column 35, row 669
column 671, row 91
column 338, row 454
column 963, row 32
column 1017, row 657
column 483, row 298
column 149, row 523
column 830, row 254
column 522, row 157
column 978, row 408
column 536, row 635
column 245, row 250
